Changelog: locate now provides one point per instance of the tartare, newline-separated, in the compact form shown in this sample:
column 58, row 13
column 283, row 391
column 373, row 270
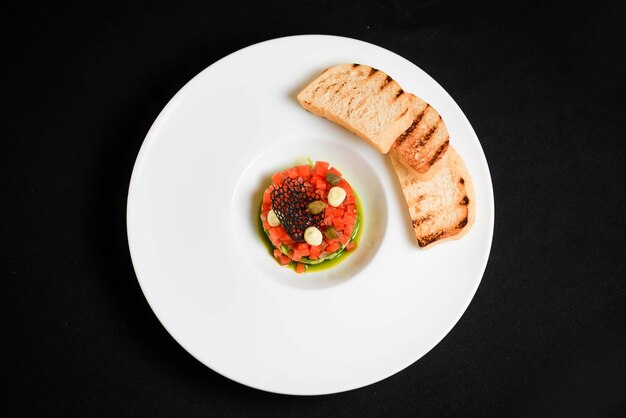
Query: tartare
column 310, row 214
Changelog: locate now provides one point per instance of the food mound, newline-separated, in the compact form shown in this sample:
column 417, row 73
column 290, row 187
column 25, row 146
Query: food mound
column 310, row 215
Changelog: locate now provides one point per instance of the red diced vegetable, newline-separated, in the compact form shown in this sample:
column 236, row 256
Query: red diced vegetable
column 349, row 219
column 315, row 251
column 337, row 213
column 344, row 238
column 298, row 254
column 304, row 171
column 266, row 196
column 332, row 248
column 278, row 178
column 344, row 185
column 338, row 223
column 321, row 168
column 321, row 184
column 300, row 268
column 351, row 208
column 266, row 226
column 277, row 252
column 275, row 234
column 349, row 229
column 351, row 246
column 284, row 260
column 351, row 200
column 303, row 246
column 293, row 172
column 282, row 234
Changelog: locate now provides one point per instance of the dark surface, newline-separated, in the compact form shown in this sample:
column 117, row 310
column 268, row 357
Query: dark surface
column 544, row 87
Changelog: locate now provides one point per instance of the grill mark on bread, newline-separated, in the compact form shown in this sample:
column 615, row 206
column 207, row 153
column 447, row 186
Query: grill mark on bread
column 329, row 86
column 462, row 180
column 464, row 201
column 398, row 94
column 419, row 221
column 349, row 111
column 439, row 152
column 424, row 139
column 372, row 72
column 385, row 83
column 462, row 224
column 411, row 128
column 427, row 239
column 355, row 65
column 403, row 113
column 340, row 87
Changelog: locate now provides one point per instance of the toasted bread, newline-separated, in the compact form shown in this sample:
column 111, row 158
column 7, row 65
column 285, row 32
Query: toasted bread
column 426, row 141
column 441, row 204
column 362, row 99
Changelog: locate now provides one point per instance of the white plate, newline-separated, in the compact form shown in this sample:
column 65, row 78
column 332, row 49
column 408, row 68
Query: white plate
column 192, row 207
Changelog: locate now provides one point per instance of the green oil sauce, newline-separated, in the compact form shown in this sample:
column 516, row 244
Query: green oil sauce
column 326, row 264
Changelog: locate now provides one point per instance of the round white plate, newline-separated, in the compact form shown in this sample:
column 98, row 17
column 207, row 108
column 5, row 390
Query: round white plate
column 192, row 228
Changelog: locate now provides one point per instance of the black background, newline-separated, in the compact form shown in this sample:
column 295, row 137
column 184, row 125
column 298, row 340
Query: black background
column 542, row 83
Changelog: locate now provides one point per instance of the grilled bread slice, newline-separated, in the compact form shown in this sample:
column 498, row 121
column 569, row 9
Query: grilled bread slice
column 441, row 205
column 362, row 99
column 426, row 140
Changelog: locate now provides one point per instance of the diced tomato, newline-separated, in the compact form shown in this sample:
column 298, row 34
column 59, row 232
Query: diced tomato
column 351, row 200
column 266, row 196
column 304, row 171
column 266, row 208
column 315, row 251
column 278, row 178
column 298, row 254
column 275, row 234
column 351, row 208
column 293, row 172
column 349, row 219
column 284, row 260
column 338, row 223
column 288, row 241
column 277, row 252
column 321, row 168
column 351, row 246
column 344, row 185
column 335, row 171
column 330, row 241
column 344, row 238
column 313, row 257
column 266, row 226
column 337, row 213
column 328, row 220
column 332, row 248
column 303, row 246
column 321, row 184
column 300, row 268
column 283, row 234
column 349, row 229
